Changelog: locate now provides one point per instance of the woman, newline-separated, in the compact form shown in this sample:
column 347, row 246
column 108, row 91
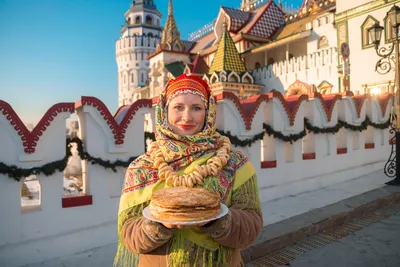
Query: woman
column 186, row 141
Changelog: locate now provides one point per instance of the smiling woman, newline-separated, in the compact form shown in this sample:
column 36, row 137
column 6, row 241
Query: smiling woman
column 188, row 152
column 186, row 114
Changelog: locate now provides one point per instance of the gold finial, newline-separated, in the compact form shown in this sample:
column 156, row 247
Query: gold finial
column 170, row 8
column 170, row 35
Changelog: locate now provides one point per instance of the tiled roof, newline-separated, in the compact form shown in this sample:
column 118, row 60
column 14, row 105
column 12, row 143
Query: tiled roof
column 170, row 33
column 237, row 17
column 296, row 26
column 209, row 44
column 188, row 45
column 293, row 28
column 203, row 43
column 199, row 65
column 176, row 68
column 269, row 22
column 227, row 57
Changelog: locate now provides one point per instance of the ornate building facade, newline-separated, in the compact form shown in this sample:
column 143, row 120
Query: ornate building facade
column 277, row 48
column 357, row 69
column 140, row 36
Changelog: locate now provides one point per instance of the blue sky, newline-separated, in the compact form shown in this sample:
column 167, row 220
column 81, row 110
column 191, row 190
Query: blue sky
column 55, row 51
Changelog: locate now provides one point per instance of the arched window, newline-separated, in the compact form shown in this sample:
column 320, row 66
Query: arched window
column 214, row 78
column 128, row 21
column 138, row 20
column 233, row 77
column 150, row 34
column 323, row 42
column 368, row 22
column 132, row 78
column 124, row 78
column 142, row 77
column 149, row 20
column 246, row 79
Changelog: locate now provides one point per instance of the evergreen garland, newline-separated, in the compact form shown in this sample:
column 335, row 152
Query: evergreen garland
column 318, row 130
column 47, row 169
column 286, row 138
column 242, row 143
column 60, row 165
column 107, row 164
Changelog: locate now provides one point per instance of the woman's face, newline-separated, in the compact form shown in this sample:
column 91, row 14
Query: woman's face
column 186, row 114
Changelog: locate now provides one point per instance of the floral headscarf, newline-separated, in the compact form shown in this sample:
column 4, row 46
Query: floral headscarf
column 142, row 179
column 182, row 150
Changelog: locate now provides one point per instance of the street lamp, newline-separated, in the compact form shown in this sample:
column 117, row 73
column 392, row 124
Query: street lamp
column 390, row 61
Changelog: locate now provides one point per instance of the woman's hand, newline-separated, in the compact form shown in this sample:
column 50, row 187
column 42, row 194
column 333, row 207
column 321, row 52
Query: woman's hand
column 180, row 226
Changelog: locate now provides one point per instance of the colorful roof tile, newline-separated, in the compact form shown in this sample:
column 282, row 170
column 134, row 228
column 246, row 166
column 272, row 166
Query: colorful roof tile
column 294, row 27
column 170, row 33
column 199, row 65
column 269, row 22
column 237, row 17
column 188, row 45
column 227, row 57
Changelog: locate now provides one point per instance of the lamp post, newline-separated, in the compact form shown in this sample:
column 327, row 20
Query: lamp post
column 388, row 62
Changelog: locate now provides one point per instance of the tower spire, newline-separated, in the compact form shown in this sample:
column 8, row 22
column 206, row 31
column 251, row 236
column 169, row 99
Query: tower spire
column 227, row 57
column 171, row 38
column 170, row 8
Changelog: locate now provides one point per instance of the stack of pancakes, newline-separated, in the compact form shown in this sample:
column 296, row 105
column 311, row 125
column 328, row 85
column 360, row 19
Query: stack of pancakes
column 184, row 204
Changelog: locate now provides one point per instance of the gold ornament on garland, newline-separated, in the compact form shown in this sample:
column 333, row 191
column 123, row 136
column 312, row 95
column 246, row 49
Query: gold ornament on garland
column 213, row 166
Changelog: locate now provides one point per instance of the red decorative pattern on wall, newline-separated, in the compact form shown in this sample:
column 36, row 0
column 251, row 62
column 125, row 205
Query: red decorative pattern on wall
column 369, row 145
column 30, row 139
column 268, row 164
column 247, row 108
column 308, row 156
column 76, row 201
column 290, row 104
column 251, row 105
column 328, row 103
column 383, row 101
column 118, row 130
column 359, row 103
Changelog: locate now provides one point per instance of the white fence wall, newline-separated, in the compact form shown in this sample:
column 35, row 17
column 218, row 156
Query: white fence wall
column 313, row 68
column 30, row 236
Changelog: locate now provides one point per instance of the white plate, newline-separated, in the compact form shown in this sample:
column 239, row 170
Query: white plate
column 222, row 212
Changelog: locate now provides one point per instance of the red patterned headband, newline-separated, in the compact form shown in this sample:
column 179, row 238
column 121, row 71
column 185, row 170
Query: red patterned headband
column 186, row 83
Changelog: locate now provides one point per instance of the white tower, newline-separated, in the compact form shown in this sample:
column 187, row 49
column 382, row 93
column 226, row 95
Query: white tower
column 139, row 38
